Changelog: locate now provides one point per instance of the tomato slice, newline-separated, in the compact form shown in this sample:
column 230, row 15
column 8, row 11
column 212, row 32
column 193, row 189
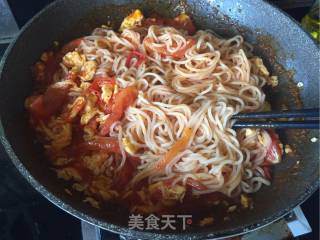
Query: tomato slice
column 50, row 103
column 125, row 98
column 274, row 152
column 54, row 98
column 37, row 108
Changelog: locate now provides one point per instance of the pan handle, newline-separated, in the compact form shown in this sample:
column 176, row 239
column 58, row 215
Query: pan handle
column 92, row 232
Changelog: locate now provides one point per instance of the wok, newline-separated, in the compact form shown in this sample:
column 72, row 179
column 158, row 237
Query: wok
column 286, row 49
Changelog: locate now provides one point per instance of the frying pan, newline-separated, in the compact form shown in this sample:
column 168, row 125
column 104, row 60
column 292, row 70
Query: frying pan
column 284, row 46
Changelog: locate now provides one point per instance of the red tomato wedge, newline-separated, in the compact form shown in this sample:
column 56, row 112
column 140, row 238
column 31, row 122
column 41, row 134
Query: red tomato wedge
column 125, row 98
column 50, row 103
column 105, row 144
column 196, row 184
column 37, row 108
column 54, row 98
column 176, row 148
column 274, row 152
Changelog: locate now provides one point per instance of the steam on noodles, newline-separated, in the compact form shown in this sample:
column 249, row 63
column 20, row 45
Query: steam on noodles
column 147, row 113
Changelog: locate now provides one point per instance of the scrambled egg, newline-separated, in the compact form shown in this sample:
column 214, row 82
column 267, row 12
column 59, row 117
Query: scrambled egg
column 46, row 55
column 273, row 81
column 90, row 109
column 266, row 107
column 101, row 186
column 245, row 201
column 94, row 203
column 131, row 21
column 69, row 173
column 76, row 107
column 206, row 221
column 58, row 133
column 60, row 161
column 232, row 208
column 182, row 17
column 74, row 59
column 258, row 63
column 107, row 90
column 128, row 146
column 88, row 70
column 170, row 194
column 79, row 187
column 95, row 162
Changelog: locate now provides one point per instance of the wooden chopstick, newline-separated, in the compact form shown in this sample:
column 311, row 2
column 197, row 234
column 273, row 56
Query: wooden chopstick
column 303, row 113
column 278, row 124
column 251, row 119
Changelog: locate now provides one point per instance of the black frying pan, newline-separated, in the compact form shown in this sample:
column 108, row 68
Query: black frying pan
column 284, row 46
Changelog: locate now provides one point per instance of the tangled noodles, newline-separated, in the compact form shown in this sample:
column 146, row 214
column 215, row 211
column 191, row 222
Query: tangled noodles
column 143, row 116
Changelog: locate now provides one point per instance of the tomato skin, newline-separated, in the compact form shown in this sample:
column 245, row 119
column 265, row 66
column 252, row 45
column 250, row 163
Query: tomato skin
column 274, row 152
column 98, row 81
column 54, row 98
column 196, row 184
column 48, row 104
column 104, row 144
column 123, row 100
column 37, row 108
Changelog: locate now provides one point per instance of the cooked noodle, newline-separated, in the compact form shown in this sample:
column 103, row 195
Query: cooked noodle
column 201, row 90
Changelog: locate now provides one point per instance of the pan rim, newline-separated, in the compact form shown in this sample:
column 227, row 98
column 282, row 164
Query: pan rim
column 205, row 233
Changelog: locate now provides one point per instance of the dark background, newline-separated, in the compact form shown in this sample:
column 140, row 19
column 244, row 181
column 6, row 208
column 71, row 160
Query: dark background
column 24, row 214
